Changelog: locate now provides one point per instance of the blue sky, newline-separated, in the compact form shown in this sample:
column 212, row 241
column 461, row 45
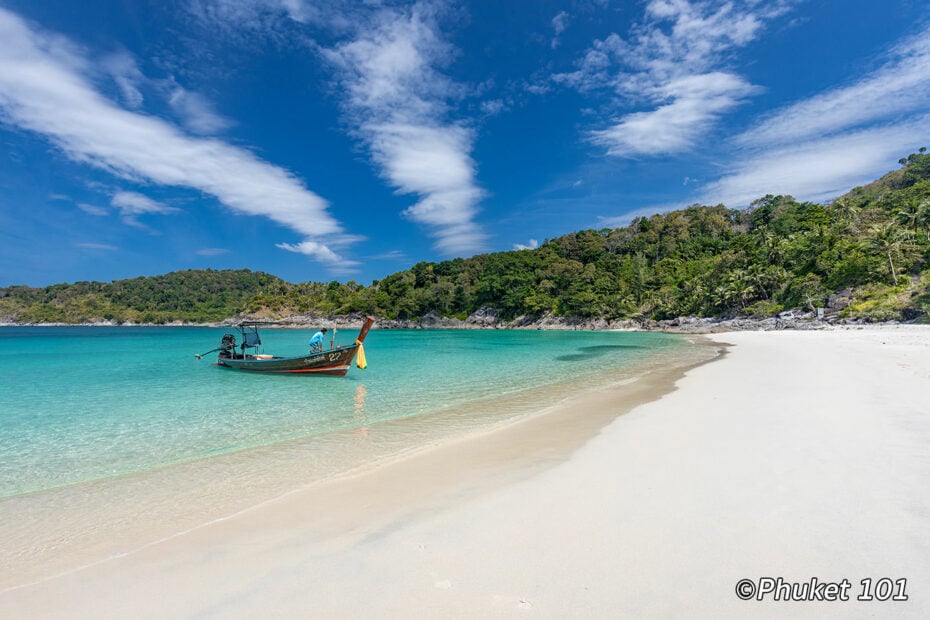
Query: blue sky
column 348, row 140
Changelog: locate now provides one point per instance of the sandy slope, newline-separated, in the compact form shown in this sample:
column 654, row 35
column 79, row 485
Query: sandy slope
column 799, row 455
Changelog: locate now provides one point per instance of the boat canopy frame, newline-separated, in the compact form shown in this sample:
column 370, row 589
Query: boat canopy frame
column 250, row 336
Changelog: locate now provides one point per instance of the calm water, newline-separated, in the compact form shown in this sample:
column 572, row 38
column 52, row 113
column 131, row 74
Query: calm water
column 87, row 403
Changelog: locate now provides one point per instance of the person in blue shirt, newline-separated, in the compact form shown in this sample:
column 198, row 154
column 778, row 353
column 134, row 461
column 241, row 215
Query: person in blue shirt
column 316, row 341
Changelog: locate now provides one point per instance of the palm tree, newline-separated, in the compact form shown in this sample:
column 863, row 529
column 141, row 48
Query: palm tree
column 772, row 246
column 737, row 288
column 908, row 215
column 923, row 216
column 887, row 238
column 848, row 212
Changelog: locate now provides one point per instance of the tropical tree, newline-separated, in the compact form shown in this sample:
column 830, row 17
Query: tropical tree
column 908, row 214
column 923, row 216
column 849, row 212
column 887, row 238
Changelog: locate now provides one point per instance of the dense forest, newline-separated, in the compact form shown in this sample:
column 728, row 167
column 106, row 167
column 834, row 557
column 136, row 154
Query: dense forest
column 864, row 255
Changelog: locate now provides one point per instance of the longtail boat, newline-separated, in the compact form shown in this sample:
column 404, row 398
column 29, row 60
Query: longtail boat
column 333, row 361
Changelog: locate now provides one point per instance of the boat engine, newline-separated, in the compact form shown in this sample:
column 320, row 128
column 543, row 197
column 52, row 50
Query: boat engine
column 228, row 343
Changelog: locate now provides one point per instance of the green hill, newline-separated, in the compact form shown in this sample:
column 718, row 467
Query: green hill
column 865, row 255
column 193, row 295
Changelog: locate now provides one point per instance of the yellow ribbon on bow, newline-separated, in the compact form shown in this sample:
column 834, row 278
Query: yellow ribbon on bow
column 360, row 357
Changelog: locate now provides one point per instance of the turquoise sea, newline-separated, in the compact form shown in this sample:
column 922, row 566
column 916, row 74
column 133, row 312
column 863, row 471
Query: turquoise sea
column 82, row 404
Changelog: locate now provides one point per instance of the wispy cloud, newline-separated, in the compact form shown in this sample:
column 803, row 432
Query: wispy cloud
column 559, row 24
column 212, row 252
column 44, row 88
column 390, row 255
column 126, row 74
column 325, row 253
column 397, row 103
column 196, row 112
column 532, row 244
column 246, row 21
column 311, row 248
column 131, row 205
column 696, row 102
column 493, row 107
column 97, row 246
column 674, row 63
column 93, row 209
column 237, row 16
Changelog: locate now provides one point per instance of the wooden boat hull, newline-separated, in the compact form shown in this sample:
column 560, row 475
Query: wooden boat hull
column 334, row 362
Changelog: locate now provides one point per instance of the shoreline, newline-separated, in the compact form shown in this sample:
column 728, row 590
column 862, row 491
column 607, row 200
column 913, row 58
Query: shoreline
column 797, row 455
column 698, row 326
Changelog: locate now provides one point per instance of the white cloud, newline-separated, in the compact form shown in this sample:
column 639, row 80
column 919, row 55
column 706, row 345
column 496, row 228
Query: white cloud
column 673, row 63
column 532, row 244
column 44, row 88
column 397, row 101
column 696, row 102
column 324, row 252
column 537, row 89
column 197, row 113
column 298, row 10
column 311, row 248
column 92, row 209
column 270, row 16
column 124, row 71
column 237, row 16
column 333, row 14
column 596, row 69
column 131, row 205
column 559, row 24
column 493, row 107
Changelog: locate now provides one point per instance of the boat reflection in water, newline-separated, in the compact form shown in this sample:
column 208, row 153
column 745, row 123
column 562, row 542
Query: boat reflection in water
column 358, row 411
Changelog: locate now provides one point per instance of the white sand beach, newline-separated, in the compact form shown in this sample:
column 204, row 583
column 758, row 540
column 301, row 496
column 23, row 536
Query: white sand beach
column 797, row 455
